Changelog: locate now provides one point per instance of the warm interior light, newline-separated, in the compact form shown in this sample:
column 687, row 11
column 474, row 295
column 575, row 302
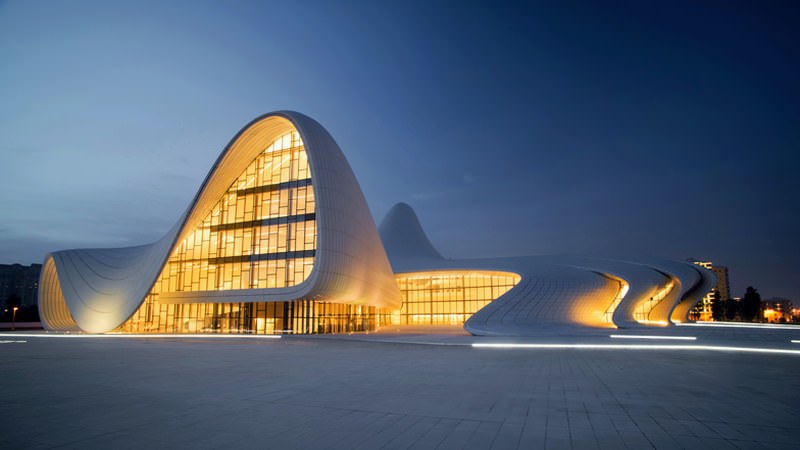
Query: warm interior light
column 643, row 310
column 659, row 323
column 448, row 297
column 260, row 234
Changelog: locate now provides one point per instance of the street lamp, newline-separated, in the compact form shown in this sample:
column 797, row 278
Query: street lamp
column 14, row 318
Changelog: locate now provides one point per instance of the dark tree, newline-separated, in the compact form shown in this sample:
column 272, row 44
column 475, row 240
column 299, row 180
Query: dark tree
column 751, row 304
column 717, row 307
column 731, row 309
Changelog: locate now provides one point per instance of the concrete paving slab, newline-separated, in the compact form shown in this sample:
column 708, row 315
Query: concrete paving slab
column 370, row 392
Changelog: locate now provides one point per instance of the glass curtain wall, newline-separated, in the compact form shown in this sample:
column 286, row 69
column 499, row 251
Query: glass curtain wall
column 297, row 317
column 261, row 234
column 449, row 297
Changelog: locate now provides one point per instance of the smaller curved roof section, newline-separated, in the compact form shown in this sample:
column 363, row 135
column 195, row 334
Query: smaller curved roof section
column 403, row 237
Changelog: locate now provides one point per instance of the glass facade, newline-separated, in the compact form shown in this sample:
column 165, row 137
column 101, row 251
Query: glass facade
column 297, row 317
column 261, row 234
column 448, row 297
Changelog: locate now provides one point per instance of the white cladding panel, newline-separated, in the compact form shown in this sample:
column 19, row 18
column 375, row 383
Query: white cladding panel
column 101, row 288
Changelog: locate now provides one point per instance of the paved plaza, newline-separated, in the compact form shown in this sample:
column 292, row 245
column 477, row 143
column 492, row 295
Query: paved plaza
column 396, row 391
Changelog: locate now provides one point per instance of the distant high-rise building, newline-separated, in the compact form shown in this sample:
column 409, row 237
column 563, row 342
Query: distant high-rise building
column 20, row 281
column 722, row 290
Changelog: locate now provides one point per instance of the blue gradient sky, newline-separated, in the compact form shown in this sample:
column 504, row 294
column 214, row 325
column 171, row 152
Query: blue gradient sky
column 628, row 130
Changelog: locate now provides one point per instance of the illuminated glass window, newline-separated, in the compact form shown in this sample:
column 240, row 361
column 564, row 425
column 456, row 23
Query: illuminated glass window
column 296, row 317
column 262, row 233
column 449, row 297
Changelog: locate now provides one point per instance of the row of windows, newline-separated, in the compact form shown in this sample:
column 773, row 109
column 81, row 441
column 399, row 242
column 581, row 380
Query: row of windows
column 279, row 163
column 452, row 306
column 449, row 297
column 470, row 293
column 445, row 280
column 267, row 212
column 287, row 237
column 305, row 317
column 242, row 206
column 445, row 307
column 203, row 276
column 435, row 319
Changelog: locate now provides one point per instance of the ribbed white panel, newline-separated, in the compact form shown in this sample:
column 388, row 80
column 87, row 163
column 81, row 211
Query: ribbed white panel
column 53, row 311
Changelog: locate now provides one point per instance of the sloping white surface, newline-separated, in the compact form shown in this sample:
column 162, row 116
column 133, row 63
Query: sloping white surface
column 101, row 288
column 555, row 290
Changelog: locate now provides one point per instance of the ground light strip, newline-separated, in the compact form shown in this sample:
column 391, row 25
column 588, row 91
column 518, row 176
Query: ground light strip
column 770, row 326
column 144, row 336
column 716, row 348
column 795, row 341
column 643, row 336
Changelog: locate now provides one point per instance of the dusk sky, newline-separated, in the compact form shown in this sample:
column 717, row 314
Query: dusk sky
column 630, row 130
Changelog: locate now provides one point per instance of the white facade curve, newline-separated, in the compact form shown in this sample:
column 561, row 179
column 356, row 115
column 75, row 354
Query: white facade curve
column 97, row 290
column 279, row 239
column 555, row 290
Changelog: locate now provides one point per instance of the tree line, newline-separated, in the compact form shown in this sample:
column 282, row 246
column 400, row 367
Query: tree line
column 749, row 309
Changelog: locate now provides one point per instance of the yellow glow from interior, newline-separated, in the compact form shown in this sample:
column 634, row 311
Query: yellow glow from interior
column 643, row 310
column 260, row 234
column 448, row 297
column 624, row 287
column 259, row 215
column 658, row 323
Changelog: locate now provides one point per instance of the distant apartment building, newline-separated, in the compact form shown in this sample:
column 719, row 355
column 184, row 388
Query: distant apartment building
column 723, row 287
column 722, row 290
column 20, row 281
column 779, row 310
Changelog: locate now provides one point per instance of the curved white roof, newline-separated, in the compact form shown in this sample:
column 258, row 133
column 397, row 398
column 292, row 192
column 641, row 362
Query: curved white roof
column 96, row 290
column 557, row 290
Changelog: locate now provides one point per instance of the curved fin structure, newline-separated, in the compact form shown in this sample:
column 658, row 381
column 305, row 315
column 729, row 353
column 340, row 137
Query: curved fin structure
column 680, row 312
column 53, row 311
column 403, row 236
column 101, row 288
column 685, row 278
column 547, row 295
column 554, row 290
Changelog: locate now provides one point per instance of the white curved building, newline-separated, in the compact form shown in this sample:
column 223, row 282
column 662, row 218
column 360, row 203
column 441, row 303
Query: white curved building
column 279, row 239
column 531, row 293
